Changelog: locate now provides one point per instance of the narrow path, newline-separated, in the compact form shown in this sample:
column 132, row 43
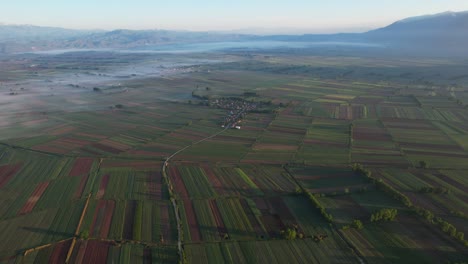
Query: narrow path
column 78, row 227
column 170, row 187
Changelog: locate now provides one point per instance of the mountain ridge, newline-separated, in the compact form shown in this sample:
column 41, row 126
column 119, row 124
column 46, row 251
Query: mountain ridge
column 428, row 33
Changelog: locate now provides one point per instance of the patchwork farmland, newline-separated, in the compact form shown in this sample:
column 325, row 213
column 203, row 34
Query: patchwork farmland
column 325, row 168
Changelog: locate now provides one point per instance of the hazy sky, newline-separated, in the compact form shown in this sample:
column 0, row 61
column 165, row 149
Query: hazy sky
column 308, row 15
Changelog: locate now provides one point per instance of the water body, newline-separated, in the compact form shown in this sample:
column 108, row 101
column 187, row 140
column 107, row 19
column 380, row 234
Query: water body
column 246, row 45
column 218, row 46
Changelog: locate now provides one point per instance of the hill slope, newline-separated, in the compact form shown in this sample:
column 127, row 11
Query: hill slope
column 447, row 30
column 440, row 34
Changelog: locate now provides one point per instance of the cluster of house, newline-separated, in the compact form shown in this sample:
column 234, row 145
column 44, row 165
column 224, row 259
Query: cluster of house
column 236, row 110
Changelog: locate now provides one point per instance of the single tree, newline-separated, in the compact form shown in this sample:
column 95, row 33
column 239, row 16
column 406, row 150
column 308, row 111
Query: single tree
column 422, row 164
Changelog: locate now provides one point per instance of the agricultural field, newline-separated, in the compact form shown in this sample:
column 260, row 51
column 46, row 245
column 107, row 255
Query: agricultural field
column 373, row 145
column 146, row 169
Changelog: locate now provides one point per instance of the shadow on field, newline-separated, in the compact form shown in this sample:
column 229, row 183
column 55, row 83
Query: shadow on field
column 233, row 234
column 410, row 255
column 47, row 231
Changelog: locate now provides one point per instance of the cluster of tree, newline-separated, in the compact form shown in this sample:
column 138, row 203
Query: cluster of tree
column 250, row 94
column 385, row 214
column 358, row 224
column 289, row 234
column 442, row 224
column 436, row 190
column 358, row 168
column 320, row 237
column 381, row 185
column 428, row 215
column 320, row 207
column 422, row 164
column 313, row 199
column 84, row 234
column 202, row 97
column 292, row 233
column 451, row 230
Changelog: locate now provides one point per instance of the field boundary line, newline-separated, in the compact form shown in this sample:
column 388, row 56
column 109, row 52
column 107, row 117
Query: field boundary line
column 72, row 246
column 357, row 253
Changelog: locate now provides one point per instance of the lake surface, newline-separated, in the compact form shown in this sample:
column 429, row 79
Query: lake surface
column 220, row 46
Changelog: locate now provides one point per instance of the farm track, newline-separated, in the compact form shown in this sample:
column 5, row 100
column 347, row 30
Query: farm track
column 170, row 187
column 78, row 227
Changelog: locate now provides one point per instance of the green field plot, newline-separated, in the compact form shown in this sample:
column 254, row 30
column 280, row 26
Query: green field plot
column 137, row 180
column 273, row 136
column 235, row 182
column 418, row 113
column 402, row 100
column 408, row 131
column 216, row 149
column 457, row 177
column 405, row 240
column 65, row 222
column 403, row 180
column 311, row 154
column 298, row 251
column 343, row 208
column 435, row 147
column 326, row 142
column 102, row 252
column 436, row 101
column 34, row 229
column 35, row 168
column 437, row 160
column 196, row 182
column 59, row 192
column 236, row 219
column 456, row 131
column 270, row 179
column 313, row 108
column 373, row 145
column 291, row 121
column 329, row 131
column 329, row 180
column 268, row 157
column 374, row 200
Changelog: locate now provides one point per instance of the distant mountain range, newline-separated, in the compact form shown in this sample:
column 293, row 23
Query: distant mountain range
column 439, row 34
column 23, row 33
column 445, row 34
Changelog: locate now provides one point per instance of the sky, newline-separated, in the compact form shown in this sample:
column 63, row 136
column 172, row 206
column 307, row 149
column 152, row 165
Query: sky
column 272, row 16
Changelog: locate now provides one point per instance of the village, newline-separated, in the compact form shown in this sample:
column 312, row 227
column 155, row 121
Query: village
column 236, row 110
